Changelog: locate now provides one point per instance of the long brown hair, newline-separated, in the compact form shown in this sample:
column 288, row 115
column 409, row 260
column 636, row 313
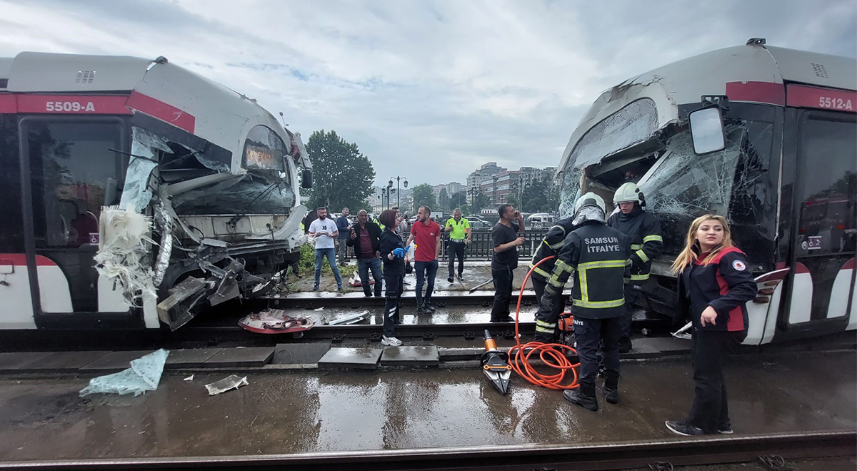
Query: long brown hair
column 692, row 249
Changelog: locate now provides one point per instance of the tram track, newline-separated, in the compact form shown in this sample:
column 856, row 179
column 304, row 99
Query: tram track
column 594, row 456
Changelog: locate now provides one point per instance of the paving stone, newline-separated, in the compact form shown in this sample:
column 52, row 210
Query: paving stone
column 410, row 356
column 64, row 361
column 299, row 353
column 190, row 358
column 13, row 361
column 665, row 345
column 115, row 361
column 243, row 357
column 361, row 358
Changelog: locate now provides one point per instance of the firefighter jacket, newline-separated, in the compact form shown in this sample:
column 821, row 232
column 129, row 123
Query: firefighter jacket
column 725, row 283
column 597, row 256
column 553, row 241
column 644, row 234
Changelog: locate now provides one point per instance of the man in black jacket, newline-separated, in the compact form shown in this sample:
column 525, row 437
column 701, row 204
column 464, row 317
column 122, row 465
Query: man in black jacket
column 644, row 234
column 596, row 255
column 364, row 237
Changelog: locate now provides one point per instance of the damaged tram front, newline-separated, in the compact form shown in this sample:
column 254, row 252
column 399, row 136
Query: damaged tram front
column 136, row 193
column 763, row 135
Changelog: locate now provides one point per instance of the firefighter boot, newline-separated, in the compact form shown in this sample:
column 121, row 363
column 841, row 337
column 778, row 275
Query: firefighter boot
column 611, row 387
column 584, row 396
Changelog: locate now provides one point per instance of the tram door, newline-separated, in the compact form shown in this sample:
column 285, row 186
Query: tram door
column 74, row 170
column 826, row 231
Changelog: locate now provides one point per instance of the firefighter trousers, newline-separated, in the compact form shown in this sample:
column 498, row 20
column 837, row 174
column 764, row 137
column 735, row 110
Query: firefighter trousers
column 588, row 334
column 546, row 316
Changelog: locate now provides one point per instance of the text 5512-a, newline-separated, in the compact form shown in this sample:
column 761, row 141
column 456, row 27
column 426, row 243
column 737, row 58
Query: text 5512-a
column 834, row 103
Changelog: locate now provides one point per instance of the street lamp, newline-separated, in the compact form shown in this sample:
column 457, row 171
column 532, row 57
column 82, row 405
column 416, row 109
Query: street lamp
column 494, row 187
column 398, row 192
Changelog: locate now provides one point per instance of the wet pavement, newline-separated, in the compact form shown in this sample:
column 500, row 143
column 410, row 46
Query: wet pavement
column 340, row 411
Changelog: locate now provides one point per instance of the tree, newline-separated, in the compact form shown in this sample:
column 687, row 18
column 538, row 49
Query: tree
column 342, row 176
column 423, row 195
column 480, row 202
column 457, row 200
column 443, row 200
column 510, row 199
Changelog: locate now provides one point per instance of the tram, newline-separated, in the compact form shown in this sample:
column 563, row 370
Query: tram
column 137, row 194
column 764, row 135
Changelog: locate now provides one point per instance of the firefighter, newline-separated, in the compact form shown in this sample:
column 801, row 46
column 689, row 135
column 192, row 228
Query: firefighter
column 551, row 244
column 597, row 256
column 644, row 234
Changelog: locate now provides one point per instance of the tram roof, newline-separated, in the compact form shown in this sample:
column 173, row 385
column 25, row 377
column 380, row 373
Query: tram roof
column 749, row 73
column 217, row 113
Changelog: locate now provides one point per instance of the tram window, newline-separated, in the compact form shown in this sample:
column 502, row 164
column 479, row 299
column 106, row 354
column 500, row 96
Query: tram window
column 72, row 171
column 265, row 150
column 828, row 200
column 12, row 235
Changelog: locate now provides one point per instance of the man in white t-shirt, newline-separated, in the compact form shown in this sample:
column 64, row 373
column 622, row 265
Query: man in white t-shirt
column 324, row 230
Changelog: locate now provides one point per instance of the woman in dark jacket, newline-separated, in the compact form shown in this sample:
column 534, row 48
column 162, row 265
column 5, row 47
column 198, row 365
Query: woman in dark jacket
column 392, row 253
column 714, row 286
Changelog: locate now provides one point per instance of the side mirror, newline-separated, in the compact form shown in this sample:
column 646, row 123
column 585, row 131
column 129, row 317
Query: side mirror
column 306, row 178
column 706, row 129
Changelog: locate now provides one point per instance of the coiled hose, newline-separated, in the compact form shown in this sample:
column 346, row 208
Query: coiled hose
column 551, row 354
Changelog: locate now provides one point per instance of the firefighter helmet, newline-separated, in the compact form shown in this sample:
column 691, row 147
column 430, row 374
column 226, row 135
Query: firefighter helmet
column 589, row 207
column 628, row 193
column 590, row 199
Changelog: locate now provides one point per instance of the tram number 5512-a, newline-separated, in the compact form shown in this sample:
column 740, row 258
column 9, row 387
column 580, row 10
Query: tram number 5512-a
column 834, row 103
column 74, row 106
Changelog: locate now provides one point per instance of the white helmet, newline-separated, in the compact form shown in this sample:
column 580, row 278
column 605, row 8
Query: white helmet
column 627, row 193
column 589, row 207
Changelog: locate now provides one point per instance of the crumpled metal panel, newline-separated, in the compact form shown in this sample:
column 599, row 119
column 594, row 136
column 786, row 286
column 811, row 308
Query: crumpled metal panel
column 165, row 226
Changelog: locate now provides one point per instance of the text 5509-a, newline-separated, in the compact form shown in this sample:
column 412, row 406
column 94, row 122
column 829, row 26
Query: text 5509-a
column 69, row 106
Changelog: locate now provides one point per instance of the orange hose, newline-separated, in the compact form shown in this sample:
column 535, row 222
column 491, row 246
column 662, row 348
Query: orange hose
column 551, row 354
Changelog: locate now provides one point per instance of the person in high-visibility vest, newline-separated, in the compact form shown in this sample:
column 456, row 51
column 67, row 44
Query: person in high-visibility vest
column 596, row 255
column 644, row 233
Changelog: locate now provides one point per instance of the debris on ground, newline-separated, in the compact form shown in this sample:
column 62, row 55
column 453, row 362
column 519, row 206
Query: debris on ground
column 189, row 378
column 225, row 384
column 274, row 321
column 348, row 320
column 144, row 375
column 319, row 309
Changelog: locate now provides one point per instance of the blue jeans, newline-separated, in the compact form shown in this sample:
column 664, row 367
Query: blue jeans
column 331, row 260
column 363, row 267
column 424, row 269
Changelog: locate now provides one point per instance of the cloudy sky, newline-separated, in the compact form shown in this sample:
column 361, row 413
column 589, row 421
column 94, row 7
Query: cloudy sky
column 427, row 89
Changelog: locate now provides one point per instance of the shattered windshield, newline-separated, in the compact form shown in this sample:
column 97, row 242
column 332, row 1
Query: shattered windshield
column 731, row 182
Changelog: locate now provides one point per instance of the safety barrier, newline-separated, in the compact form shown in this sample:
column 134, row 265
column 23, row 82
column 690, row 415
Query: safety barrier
column 481, row 245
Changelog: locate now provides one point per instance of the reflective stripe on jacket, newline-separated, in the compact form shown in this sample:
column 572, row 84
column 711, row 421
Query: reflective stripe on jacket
column 551, row 244
column 644, row 234
column 597, row 256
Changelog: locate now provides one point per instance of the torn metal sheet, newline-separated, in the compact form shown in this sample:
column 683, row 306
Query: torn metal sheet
column 352, row 319
column 165, row 226
column 226, row 384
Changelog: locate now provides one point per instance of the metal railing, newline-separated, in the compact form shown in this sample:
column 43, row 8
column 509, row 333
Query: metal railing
column 482, row 245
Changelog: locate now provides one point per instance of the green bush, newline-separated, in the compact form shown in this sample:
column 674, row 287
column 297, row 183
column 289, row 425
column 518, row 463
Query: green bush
column 307, row 264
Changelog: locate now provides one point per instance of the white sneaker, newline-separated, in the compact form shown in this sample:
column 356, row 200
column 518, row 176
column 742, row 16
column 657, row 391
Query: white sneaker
column 390, row 341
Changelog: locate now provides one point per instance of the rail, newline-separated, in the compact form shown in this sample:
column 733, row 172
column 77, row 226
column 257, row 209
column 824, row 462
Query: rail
column 591, row 456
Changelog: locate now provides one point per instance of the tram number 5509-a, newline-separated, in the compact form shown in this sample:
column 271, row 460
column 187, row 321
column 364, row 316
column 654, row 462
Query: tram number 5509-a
column 69, row 106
